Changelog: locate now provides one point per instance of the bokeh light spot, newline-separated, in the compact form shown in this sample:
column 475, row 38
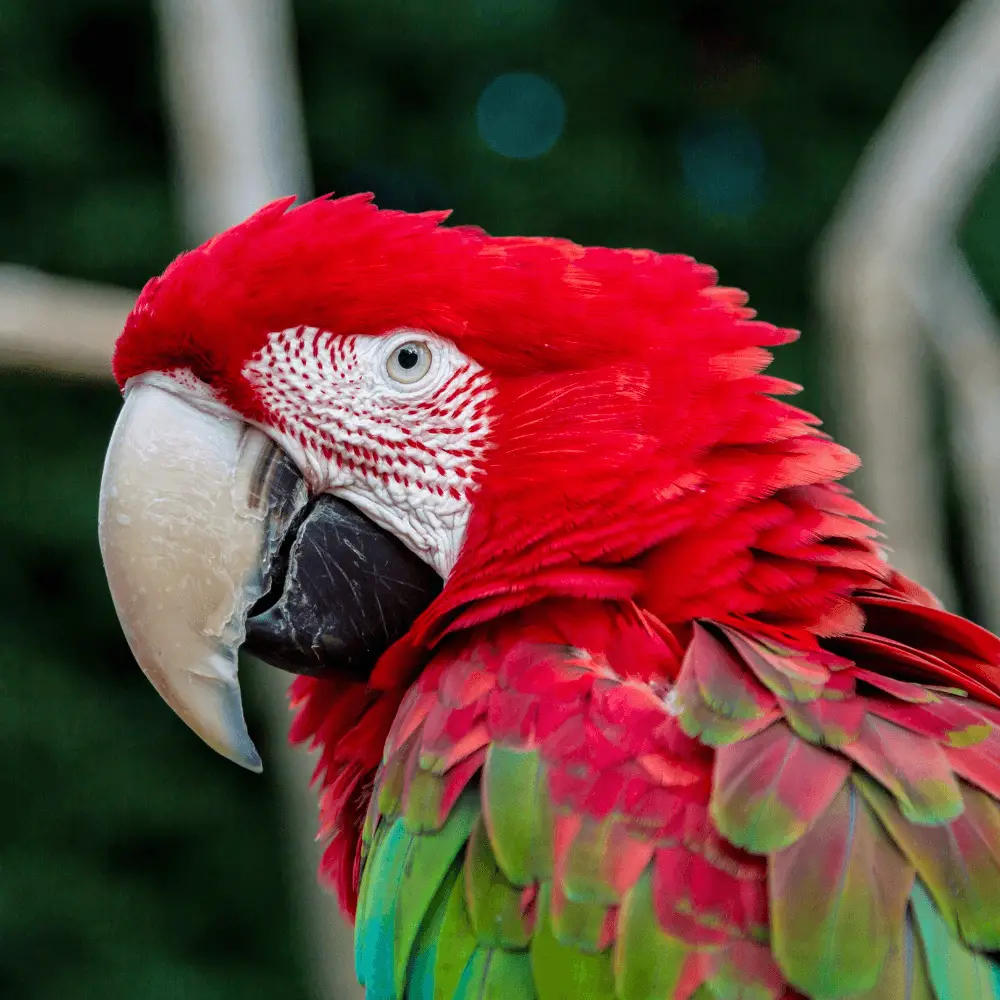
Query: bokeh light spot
column 520, row 115
column 723, row 163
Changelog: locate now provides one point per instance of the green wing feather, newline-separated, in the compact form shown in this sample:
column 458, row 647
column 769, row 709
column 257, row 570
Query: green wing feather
column 563, row 972
column 838, row 901
column 859, row 856
column 648, row 963
column 516, row 809
column 403, row 874
column 494, row 903
column 456, row 943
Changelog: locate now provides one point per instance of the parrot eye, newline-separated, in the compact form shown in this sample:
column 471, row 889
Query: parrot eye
column 409, row 362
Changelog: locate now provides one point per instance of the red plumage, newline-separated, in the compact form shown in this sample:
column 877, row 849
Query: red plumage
column 654, row 535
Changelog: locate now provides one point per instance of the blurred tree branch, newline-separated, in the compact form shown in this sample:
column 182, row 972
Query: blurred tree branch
column 230, row 81
column 231, row 85
column 896, row 288
column 59, row 325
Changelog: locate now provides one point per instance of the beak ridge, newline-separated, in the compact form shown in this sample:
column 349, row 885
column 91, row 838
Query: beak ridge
column 193, row 507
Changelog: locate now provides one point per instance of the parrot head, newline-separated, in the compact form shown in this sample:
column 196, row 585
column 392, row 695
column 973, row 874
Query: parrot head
column 348, row 431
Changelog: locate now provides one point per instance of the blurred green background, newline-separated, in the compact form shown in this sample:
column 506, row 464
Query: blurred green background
column 134, row 863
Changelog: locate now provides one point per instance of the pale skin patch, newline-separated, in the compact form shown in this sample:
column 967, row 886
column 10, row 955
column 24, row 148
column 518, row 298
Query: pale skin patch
column 396, row 425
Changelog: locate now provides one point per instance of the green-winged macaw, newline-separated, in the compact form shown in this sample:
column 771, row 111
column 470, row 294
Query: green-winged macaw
column 615, row 691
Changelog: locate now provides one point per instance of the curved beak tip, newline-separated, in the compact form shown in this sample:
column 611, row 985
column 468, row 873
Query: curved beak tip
column 210, row 703
column 188, row 528
column 238, row 746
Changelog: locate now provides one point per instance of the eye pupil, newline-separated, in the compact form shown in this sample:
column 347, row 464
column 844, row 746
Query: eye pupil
column 408, row 363
column 407, row 358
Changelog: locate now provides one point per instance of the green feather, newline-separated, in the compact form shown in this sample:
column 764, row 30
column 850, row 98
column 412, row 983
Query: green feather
column 517, row 812
column 719, row 700
column 904, row 976
column 838, row 897
column 423, row 961
column 648, row 963
column 392, row 780
column 578, row 925
column 785, row 672
column 429, row 858
column 769, row 789
column 955, row 972
column 702, row 723
column 828, row 721
column 585, row 863
column 494, row 904
column 470, row 983
column 913, row 768
column 731, row 982
column 456, row 943
column 959, row 863
column 422, row 801
column 361, row 913
column 562, row 972
column 494, row 974
column 509, row 977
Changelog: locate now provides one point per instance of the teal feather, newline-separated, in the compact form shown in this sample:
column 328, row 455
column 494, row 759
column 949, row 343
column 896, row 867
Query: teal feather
column 361, row 913
column 402, row 880
column 375, row 936
column 420, row 980
column 955, row 972
column 429, row 859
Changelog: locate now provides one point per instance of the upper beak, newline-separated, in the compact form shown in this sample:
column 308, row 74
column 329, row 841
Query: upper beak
column 201, row 518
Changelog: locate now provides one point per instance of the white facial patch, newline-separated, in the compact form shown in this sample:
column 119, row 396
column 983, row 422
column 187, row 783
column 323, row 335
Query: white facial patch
column 396, row 425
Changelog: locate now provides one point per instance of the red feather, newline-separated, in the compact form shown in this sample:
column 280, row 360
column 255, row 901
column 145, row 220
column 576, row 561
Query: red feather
column 640, row 480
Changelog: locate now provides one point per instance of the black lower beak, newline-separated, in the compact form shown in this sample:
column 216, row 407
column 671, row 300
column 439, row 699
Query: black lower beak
column 343, row 591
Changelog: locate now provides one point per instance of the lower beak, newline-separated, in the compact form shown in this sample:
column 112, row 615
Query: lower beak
column 209, row 540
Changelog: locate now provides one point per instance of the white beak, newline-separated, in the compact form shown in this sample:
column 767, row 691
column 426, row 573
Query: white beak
column 194, row 504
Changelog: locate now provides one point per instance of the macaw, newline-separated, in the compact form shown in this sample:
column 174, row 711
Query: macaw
column 615, row 692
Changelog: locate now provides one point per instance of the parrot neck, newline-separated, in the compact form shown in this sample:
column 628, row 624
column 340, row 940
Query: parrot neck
column 747, row 533
column 351, row 722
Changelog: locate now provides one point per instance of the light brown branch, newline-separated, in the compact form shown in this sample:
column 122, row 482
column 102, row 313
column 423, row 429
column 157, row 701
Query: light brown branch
column 231, row 86
column 58, row 325
column 966, row 336
column 884, row 257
